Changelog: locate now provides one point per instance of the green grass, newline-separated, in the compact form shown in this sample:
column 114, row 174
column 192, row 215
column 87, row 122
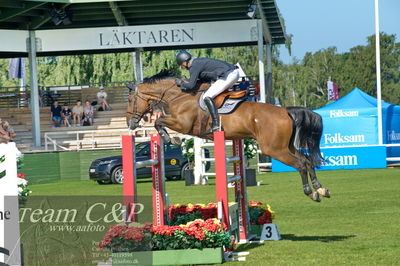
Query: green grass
column 359, row 225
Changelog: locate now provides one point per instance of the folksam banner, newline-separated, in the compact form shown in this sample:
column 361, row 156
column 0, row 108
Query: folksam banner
column 353, row 120
column 345, row 158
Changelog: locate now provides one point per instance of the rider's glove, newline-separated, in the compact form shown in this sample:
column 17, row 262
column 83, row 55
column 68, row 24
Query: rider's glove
column 178, row 82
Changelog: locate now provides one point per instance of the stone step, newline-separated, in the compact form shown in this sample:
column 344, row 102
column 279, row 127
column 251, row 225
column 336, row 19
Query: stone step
column 24, row 147
column 98, row 122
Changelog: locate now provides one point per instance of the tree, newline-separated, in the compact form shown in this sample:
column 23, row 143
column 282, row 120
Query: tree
column 303, row 82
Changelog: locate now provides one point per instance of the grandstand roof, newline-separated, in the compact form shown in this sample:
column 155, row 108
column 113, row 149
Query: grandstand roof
column 35, row 14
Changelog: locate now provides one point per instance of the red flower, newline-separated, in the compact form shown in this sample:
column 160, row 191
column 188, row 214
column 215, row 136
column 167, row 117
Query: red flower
column 211, row 226
column 195, row 231
column 123, row 232
column 265, row 218
column 164, row 229
column 23, row 176
column 255, row 202
column 134, row 233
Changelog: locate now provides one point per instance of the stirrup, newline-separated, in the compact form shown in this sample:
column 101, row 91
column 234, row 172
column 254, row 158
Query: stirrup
column 211, row 130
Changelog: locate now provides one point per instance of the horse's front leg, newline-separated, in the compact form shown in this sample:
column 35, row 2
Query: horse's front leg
column 173, row 123
column 158, row 124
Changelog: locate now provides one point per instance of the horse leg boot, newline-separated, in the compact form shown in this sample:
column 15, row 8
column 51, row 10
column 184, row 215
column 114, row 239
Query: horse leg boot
column 163, row 133
column 215, row 126
column 317, row 186
column 306, row 187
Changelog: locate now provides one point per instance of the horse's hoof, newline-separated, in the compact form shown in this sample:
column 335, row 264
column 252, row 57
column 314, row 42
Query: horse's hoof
column 176, row 141
column 324, row 192
column 315, row 196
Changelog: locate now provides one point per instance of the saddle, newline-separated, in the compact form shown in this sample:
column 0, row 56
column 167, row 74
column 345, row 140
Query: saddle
column 220, row 99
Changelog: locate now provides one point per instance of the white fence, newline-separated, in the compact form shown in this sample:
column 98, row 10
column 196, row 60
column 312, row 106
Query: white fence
column 92, row 139
column 10, row 253
column 200, row 160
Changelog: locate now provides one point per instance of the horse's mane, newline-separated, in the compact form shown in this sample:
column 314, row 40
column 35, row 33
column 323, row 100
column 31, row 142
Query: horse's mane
column 163, row 74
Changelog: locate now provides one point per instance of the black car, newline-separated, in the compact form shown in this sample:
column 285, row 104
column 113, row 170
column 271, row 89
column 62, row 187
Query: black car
column 109, row 169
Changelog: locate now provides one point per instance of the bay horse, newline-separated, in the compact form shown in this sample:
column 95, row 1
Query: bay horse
column 291, row 135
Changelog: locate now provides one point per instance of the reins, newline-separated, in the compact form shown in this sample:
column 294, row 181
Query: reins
column 158, row 99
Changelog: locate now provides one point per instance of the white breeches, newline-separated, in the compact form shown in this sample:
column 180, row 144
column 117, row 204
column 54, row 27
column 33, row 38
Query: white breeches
column 222, row 84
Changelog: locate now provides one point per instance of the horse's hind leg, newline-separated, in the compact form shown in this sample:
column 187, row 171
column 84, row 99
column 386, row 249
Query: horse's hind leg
column 297, row 162
column 304, row 170
column 317, row 185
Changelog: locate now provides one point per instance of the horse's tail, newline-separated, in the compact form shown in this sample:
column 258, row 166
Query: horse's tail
column 307, row 134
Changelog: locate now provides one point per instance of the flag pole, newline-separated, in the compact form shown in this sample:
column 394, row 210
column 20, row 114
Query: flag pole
column 378, row 72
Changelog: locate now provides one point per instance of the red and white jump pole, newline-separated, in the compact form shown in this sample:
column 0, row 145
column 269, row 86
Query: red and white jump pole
column 129, row 166
column 222, row 182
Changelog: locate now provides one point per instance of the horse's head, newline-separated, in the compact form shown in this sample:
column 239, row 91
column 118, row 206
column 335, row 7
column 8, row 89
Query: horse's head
column 137, row 107
column 155, row 89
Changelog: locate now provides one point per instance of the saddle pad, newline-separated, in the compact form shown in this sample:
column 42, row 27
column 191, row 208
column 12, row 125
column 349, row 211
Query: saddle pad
column 228, row 107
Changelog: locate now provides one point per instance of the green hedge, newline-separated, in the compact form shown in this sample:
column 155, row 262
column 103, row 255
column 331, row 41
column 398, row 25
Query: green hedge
column 49, row 167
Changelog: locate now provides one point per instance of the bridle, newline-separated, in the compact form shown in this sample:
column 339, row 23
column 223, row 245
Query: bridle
column 135, row 114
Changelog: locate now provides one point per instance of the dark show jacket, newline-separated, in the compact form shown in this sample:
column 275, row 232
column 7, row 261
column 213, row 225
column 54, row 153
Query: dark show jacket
column 206, row 70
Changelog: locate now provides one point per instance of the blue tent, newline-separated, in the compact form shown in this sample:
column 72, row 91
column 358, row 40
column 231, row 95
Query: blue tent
column 353, row 120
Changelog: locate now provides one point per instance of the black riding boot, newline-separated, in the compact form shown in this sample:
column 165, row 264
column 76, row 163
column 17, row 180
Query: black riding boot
column 213, row 112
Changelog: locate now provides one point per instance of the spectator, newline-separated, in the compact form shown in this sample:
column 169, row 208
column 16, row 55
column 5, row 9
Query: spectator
column 66, row 115
column 102, row 100
column 244, row 84
column 257, row 86
column 9, row 130
column 88, row 112
column 56, row 114
column 3, row 133
column 77, row 113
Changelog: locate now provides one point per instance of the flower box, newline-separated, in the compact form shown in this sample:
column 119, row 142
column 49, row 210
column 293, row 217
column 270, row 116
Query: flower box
column 260, row 213
column 169, row 257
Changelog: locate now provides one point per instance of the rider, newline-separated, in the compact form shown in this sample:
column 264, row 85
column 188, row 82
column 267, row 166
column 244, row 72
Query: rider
column 222, row 74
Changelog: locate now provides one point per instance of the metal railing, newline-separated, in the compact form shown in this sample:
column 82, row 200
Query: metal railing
column 17, row 97
column 92, row 139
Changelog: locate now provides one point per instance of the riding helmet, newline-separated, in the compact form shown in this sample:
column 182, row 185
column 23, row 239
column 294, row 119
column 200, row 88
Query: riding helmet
column 183, row 56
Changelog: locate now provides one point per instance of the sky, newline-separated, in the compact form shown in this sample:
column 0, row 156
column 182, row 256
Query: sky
column 319, row 24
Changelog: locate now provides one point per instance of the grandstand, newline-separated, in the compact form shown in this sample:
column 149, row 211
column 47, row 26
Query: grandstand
column 105, row 133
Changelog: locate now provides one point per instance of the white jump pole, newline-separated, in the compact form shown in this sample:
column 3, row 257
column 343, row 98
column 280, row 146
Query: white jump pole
column 378, row 73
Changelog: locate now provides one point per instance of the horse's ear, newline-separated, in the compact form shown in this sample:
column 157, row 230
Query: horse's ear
column 132, row 88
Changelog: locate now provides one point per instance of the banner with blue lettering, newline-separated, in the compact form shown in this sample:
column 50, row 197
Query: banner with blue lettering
column 353, row 120
column 345, row 158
